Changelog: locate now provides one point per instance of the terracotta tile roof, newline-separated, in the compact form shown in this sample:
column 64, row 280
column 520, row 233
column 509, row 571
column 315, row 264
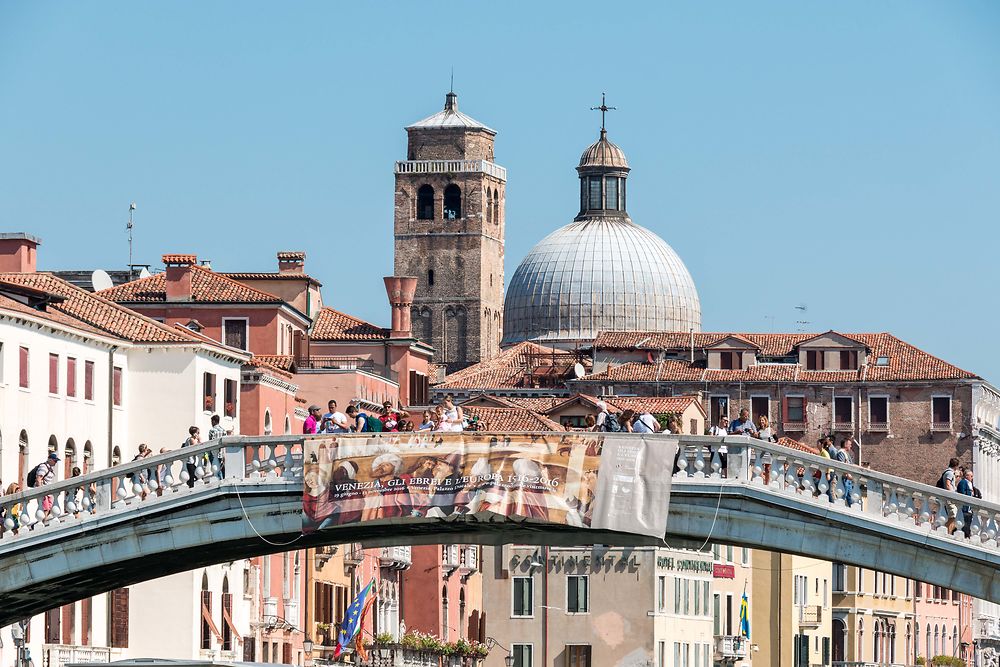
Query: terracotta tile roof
column 54, row 316
column 284, row 362
column 264, row 363
column 535, row 404
column 207, row 286
column 905, row 362
column 263, row 275
column 291, row 254
column 333, row 325
column 656, row 405
column 179, row 258
column 511, row 419
column 795, row 444
column 506, row 370
column 666, row 371
column 96, row 311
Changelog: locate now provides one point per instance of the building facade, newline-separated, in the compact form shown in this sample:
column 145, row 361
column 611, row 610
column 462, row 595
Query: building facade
column 449, row 234
column 874, row 617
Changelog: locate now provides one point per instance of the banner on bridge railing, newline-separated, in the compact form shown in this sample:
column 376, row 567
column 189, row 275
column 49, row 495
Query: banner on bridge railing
column 601, row 481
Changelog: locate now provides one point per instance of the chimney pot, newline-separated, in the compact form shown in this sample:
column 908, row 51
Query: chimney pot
column 178, row 276
column 291, row 261
column 18, row 252
column 400, row 290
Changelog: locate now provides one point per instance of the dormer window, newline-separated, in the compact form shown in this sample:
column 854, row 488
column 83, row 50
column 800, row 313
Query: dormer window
column 848, row 360
column 730, row 361
column 814, row 360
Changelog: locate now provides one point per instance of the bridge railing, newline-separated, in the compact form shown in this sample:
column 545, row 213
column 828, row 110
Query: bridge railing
column 700, row 460
column 148, row 480
column 809, row 476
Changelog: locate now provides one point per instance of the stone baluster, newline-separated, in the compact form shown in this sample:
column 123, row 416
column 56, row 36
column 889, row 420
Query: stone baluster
column 758, row 466
column 682, row 462
column 699, row 462
column 925, row 511
column 940, row 516
column 286, row 468
column 892, row 504
column 909, row 508
column 716, row 460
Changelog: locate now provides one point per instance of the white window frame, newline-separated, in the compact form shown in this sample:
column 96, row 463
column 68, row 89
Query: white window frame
column 888, row 401
column 661, row 593
column 246, row 324
column 531, row 651
column 587, row 598
column 513, row 591
column 951, row 409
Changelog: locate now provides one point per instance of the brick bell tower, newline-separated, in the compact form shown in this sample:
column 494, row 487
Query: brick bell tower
column 449, row 228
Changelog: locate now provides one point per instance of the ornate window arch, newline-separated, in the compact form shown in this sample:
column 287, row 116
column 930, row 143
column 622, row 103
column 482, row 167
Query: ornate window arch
column 425, row 202
column 452, row 202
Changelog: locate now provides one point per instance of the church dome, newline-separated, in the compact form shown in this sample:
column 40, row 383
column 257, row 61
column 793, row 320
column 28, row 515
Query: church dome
column 601, row 272
column 603, row 153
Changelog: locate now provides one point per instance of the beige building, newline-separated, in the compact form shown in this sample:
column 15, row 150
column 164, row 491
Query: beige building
column 790, row 615
column 732, row 574
column 873, row 617
column 584, row 607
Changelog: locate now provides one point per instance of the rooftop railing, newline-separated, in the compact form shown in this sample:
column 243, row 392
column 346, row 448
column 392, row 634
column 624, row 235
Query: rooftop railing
column 451, row 167
column 319, row 362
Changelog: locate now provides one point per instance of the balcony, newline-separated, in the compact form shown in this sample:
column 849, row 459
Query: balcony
column 334, row 363
column 941, row 427
column 270, row 608
column 795, row 427
column 843, row 426
column 57, row 655
column 397, row 558
column 810, row 615
column 451, row 167
column 878, row 427
column 353, row 554
column 292, row 612
column 467, row 560
column 730, row 647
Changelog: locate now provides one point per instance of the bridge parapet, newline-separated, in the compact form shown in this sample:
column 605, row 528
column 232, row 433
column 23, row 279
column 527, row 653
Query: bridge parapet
column 728, row 461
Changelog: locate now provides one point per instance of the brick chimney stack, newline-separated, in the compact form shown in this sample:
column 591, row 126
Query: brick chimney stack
column 17, row 252
column 179, row 276
column 400, row 290
column 291, row 261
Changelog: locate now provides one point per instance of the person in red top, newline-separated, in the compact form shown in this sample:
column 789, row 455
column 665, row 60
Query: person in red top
column 389, row 417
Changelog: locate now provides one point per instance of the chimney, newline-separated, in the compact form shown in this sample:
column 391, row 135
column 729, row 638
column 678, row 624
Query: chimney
column 291, row 261
column 179, row 276
column 17, row 252
column 400, row 290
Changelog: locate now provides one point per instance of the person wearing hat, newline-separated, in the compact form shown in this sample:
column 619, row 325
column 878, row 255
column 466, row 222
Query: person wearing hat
column 311, row 424
column 447, row 484
column 45, row 473
column 393, row 499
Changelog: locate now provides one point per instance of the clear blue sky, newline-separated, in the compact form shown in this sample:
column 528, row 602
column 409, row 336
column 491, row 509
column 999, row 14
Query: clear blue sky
column 844, row 155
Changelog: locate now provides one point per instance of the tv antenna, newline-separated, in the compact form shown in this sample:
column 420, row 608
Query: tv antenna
column 129, row 226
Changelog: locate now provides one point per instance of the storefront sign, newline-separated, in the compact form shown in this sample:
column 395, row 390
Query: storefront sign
column 720, row 571
column 683, row 564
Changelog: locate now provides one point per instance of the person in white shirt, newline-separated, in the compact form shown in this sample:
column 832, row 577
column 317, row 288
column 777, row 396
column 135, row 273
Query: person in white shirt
column 645, row 423
column 720, row 429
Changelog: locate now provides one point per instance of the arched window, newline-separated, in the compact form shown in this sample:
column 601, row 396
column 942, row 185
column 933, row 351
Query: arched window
column 444, row 613
column 927, row 645
column 891, row 643
column 116, row 456
column 839, row 639
column 206, row 606
column 226, row 610
column 954, row 640
column 88, row 457
column 288, row 425
column 489, row 205
column 909, row 645
column 69, row 459
column 267, row 421
column 496, row 206
column 861, row 633
column 877, row 636
column 461, row 612
column 22, row 458
column 937, row 642
column 425, row 203
column 452, row 202
column 430, row 277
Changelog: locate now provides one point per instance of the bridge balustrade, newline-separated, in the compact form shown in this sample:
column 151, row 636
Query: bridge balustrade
column 728, row 461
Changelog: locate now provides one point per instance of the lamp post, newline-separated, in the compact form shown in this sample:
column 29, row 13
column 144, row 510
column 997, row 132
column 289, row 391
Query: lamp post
column 509, row 660
column 307, row 649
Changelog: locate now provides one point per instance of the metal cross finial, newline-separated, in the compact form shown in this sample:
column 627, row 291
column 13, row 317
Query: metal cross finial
column 604, row 108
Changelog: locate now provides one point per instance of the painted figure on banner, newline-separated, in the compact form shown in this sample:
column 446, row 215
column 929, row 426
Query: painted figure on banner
column 393, row 500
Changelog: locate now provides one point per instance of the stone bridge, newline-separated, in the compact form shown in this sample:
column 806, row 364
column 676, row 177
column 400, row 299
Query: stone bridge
column 114, row 527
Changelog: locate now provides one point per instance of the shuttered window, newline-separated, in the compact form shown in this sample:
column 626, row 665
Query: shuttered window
column 24, row 360
column 53, row 373
column 117, row 385
column 88, row 380
column 71, row 377
column 118, row 618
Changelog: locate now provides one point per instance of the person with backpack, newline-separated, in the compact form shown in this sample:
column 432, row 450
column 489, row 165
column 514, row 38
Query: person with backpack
column 966, row 488
column 606, row 421
column 363, row 423
column 42, row 474
column 948, row 482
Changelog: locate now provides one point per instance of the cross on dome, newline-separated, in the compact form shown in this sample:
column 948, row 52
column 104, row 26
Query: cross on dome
column 604, row 108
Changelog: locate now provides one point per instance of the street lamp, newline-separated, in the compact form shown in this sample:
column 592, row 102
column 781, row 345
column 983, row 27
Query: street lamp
column 307, row 645
column 509, row 660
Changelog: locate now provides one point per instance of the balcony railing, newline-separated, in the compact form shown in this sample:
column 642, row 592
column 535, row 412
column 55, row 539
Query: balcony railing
column 57, row 655
column 795, row 427
column 878, row 427
column 318, row 362
column 451, row 167
column 843, row 425
column 292, row 612
column 397, row 558
column 810, row 614
column 941, row 427
column 353, row 554
column 730, row 647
